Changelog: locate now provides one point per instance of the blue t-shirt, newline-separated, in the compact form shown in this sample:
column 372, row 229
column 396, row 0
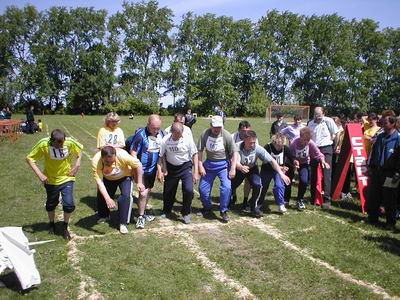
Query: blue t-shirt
column 147, row 148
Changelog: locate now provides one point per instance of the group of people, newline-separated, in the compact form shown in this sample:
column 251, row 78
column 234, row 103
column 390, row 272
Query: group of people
column 173, row 155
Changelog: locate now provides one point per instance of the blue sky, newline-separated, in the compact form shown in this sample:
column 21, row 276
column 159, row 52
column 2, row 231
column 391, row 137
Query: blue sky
column 386, row 12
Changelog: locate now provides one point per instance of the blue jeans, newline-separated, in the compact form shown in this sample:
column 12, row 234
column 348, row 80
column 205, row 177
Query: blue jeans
column 53, row 193
column 303, row 181
column 279, row 187
column 215, row 168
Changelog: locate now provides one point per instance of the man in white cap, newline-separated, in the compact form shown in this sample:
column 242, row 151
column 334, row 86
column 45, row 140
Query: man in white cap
column 221, row 160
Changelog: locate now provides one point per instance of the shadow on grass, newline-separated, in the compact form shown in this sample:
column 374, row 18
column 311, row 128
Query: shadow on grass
column 11, row 282
column 349, row 211
column 43, row 227
column 90, row 201
column 386, row 243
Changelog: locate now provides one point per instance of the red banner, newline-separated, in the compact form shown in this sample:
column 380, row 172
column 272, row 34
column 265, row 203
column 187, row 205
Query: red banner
column 353, row 143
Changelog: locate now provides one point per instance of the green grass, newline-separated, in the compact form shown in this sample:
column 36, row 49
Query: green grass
column 155, row 265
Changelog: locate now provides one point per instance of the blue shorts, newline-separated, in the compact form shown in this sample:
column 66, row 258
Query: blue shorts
column 53, row 196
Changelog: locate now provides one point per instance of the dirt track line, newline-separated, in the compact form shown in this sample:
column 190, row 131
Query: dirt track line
column 87, row 288
column 241, row 292
column 276, row 234
column 84, row 152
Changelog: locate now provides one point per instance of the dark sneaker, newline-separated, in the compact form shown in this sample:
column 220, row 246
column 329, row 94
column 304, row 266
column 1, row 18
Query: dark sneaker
column 257, row 213
column 66, row 234
column 245, row 206
column 225, row 217
column 300, row 205
column 52, row 228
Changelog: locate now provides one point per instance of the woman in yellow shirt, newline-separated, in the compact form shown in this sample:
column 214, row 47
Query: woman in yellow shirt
column 370, row 132
column 111, row 134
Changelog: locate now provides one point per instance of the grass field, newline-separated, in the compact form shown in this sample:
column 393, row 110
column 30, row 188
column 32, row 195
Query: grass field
column 312, row 254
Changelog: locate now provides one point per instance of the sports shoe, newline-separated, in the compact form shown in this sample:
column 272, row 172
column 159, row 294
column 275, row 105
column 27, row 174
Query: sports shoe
column 257, row 212
column 66, row 234
column 186, row 219
column 103, row 220
column 245, row 206
column 300, row 204
column 282, row 209
column 225, row 217
column 343, row 196
column 123, row 229
column 141, row 221
column 52, row 228
column 349, row 196
column 149, row 218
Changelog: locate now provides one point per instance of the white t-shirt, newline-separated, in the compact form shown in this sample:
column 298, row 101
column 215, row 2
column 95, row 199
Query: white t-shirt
column 322, row 132
column 177, row 152
column 186, row 131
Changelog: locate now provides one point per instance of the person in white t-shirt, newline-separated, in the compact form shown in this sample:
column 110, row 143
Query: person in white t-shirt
column 178, row 155
column 324, row 131
column 180, row 118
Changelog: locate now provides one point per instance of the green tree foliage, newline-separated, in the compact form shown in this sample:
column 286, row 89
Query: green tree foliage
column 83, row 60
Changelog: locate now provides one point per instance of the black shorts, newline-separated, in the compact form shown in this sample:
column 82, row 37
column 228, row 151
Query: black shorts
column 148, row 179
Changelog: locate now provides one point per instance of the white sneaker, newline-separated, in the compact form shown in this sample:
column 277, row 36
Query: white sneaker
column 123, row 229
column 343, row 196
column 282, row 209
column 141, row 221
column 186, row 219
column 301, row 205
column 349, row 196
column 149, row 218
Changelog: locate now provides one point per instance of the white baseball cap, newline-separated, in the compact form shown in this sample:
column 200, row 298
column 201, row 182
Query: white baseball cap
column 217, row 121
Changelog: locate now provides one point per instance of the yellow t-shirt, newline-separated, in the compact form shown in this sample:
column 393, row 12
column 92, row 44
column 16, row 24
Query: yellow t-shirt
column 122, row 166
column 108, row 137
column 367, row 142
column 57, row 162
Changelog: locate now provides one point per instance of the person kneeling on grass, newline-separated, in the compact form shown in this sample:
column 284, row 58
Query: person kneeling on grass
column 283, row 158
column 116, row 167
column 303, row 149
column 58, row 176
column 249, row 152
column 177, row 156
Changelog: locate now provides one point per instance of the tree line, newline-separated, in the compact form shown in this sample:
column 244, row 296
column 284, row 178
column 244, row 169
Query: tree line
column 83, row 60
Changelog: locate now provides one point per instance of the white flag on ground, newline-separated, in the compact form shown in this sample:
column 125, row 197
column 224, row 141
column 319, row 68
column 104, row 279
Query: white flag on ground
column 15, row 254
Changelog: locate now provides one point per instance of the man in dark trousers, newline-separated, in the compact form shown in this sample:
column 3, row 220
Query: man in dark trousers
column 278, row 125
column 30, row 120
column 383, row 173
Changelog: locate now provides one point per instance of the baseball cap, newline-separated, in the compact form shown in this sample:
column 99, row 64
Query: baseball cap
column 216, row 121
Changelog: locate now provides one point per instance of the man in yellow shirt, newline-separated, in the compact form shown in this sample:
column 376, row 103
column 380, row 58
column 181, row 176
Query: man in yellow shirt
column 58, row 176
column 113, row 168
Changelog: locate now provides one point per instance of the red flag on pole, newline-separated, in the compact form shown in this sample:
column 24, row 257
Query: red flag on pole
column 353, row 143
column 319, row 188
